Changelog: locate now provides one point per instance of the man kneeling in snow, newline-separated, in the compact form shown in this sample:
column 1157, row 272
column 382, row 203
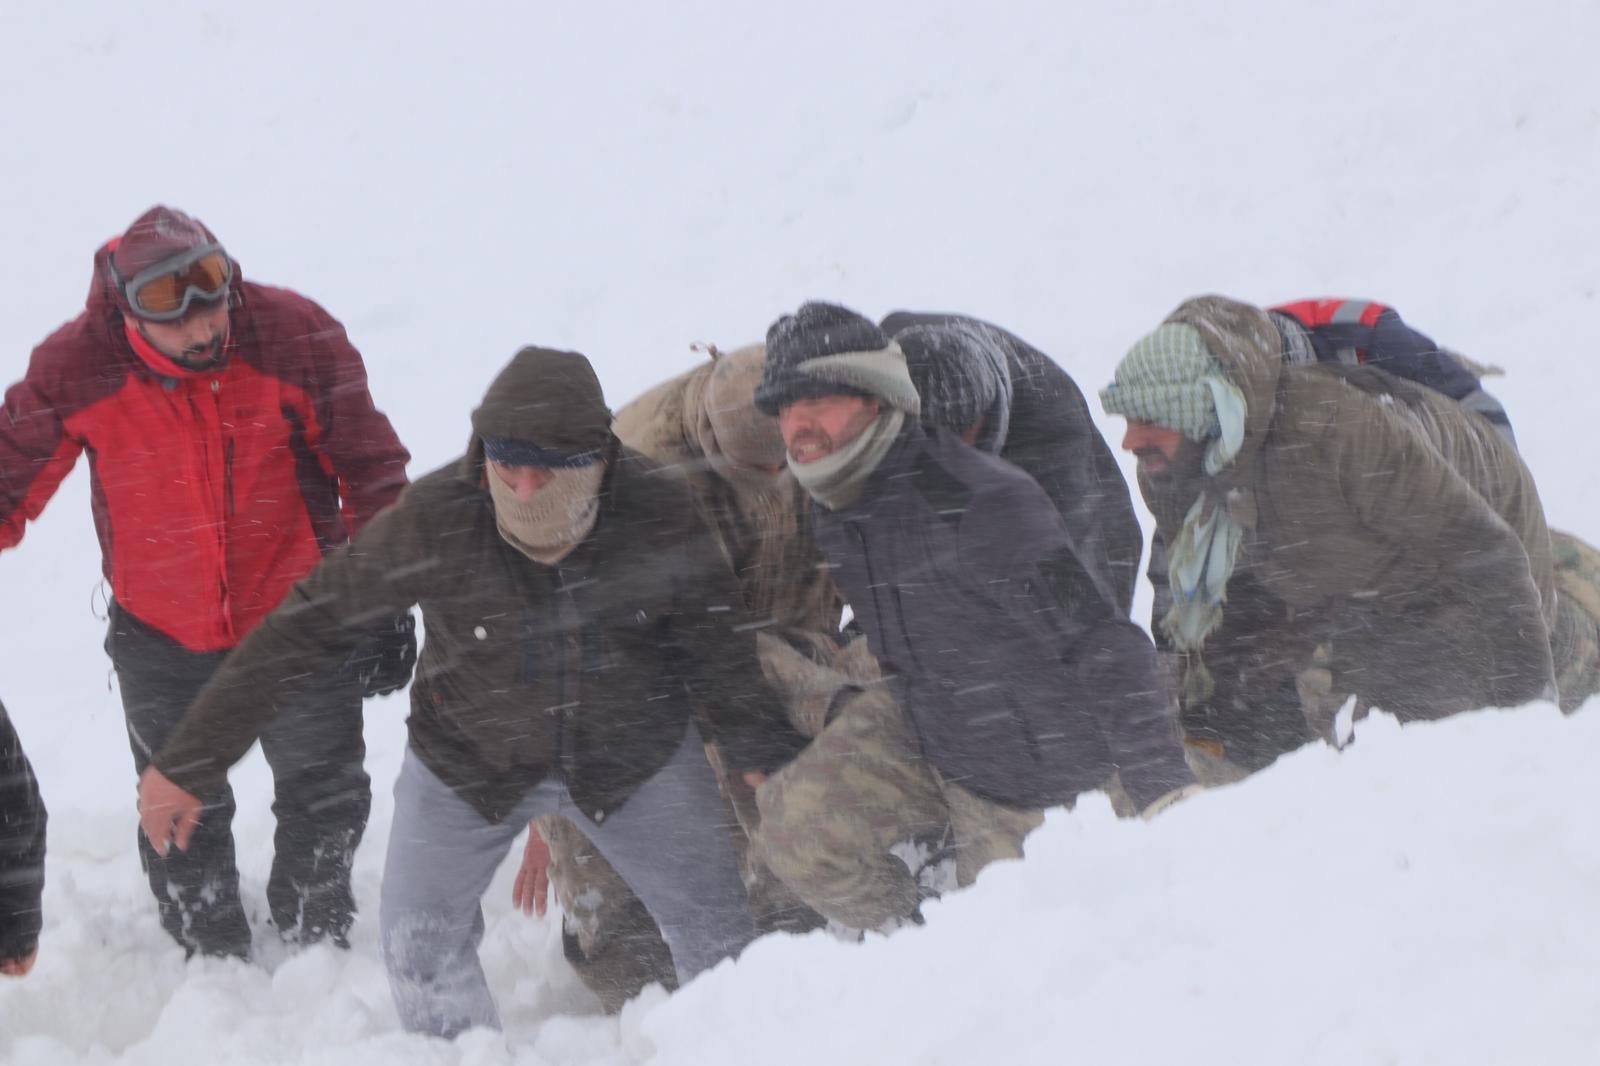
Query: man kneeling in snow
column 579, row 622
column 1332, row 532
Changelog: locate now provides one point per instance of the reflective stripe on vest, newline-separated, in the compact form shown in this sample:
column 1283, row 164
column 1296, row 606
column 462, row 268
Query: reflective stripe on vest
column 1354, row 313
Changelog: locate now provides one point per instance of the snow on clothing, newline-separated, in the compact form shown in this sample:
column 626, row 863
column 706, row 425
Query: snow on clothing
column 1389, row 539
column 1053, row 438
column 22, row 840
column 824, row 349
column 667, row 840
column 1020, row 682
column 213, row 490
column 1363, row 332
column 964, row 380
column 321, row 799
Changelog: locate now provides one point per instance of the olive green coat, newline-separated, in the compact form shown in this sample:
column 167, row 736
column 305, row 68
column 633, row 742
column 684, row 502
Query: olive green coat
column 1383, row 523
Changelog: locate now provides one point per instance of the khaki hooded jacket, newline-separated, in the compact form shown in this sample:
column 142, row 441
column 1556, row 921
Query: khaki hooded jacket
column 1383, row 524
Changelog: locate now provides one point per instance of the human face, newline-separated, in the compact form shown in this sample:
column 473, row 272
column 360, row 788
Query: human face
column 525, row 481
column 818, row 426
column 193, row 340
column 1156, row 447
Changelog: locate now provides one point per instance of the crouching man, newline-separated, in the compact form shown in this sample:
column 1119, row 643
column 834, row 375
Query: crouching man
column 1011, row 683
column 580, row 625
column 1332, row 531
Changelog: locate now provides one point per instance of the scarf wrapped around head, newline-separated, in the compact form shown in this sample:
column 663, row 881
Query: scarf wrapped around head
column 1170, row 378
column 741, row 443
column 836, row 480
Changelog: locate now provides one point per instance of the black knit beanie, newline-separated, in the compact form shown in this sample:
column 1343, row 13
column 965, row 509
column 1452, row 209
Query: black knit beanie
column 963, row 379
column 820, row 331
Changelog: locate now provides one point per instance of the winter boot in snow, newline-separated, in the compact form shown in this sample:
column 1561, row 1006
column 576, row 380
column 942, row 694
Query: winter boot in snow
column 197, row 892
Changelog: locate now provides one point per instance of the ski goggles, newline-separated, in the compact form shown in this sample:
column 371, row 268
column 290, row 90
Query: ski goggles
column 163, row 292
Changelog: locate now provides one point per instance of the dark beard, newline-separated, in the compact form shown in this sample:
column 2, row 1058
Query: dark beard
column 202, row 357
column 1170, row 493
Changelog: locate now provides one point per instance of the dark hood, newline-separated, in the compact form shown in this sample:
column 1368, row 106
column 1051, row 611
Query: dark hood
column 548, row 398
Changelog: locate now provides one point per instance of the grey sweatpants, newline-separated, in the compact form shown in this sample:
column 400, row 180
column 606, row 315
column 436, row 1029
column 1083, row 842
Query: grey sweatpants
column 668, row 841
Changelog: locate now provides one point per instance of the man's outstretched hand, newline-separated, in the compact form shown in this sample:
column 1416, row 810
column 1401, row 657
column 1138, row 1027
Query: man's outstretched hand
column 531, row 892
column 167, row 813
column 19, row 967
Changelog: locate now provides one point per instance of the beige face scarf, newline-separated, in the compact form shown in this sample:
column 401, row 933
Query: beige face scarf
column 547, row 527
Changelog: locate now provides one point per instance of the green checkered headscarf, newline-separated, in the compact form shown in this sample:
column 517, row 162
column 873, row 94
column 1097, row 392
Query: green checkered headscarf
column 1170, row 378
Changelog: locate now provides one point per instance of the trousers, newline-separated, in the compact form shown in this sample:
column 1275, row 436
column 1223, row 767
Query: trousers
column 668, row 842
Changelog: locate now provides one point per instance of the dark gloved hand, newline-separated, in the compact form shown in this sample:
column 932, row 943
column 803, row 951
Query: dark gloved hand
column 382, row 663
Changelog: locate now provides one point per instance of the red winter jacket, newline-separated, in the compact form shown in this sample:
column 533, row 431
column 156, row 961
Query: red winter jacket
column 213, row 490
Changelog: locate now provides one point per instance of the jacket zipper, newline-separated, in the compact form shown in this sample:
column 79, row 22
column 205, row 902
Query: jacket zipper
column 207, row 491
column 227, row 477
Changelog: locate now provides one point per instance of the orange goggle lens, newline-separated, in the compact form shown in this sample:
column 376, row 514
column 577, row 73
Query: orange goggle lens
column 207, row 276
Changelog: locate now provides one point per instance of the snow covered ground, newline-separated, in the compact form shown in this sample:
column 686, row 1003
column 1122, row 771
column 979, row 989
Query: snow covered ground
column 626, row 178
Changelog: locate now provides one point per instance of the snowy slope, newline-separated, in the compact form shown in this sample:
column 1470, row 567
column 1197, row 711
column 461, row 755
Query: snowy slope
column 627, row 178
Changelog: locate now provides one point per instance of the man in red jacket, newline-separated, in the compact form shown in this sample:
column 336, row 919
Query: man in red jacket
column 231, row 441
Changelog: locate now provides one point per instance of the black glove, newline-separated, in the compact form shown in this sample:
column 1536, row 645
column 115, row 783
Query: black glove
column 382, row 663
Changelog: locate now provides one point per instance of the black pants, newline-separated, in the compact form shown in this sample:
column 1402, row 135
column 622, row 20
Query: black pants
column 321, row 800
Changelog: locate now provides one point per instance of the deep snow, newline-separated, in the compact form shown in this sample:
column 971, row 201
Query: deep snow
column 625, row 179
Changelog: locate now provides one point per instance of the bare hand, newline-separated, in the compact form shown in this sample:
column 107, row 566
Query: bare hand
column 18, row 967
column 531, row 892
column 754, row 778
column 167, row 813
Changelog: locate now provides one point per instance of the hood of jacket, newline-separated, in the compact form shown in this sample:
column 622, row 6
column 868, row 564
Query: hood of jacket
column 1247, row 344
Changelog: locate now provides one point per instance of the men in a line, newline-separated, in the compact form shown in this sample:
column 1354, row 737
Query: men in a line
column 231, row 442
column 1004, row 396
column 22, row 838
column 1332, row 531
column 1015, row 682
column 706, row 424
column 581, row 631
